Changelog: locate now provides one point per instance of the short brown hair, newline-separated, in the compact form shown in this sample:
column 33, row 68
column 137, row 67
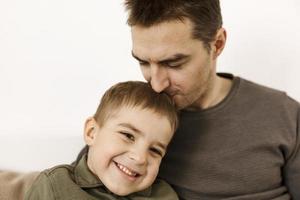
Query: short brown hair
column 204, row 14
column 132, row 94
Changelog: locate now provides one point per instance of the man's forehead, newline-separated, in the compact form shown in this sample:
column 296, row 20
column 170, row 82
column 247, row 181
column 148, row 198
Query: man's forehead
column 158, row 43
column 165, row 25
column 173, row 31
column 160, row 52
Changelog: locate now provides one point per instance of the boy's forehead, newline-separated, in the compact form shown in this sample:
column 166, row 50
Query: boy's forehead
column 134, row 115
column 135, row 110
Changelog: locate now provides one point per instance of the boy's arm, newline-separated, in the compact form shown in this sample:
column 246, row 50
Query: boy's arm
column 40, row 189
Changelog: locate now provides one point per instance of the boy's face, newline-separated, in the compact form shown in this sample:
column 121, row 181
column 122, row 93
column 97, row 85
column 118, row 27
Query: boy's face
column 126, row 151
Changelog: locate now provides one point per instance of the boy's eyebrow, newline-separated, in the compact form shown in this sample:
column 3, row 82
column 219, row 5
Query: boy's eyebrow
column 161, row 145
column 174, row 58
column 133, row 128
column 130, row 126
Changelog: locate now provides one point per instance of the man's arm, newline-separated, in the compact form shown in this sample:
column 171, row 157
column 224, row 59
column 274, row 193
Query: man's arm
column 291, row 170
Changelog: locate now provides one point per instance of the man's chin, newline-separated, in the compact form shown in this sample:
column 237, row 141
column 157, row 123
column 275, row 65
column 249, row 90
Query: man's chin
column 179, row 102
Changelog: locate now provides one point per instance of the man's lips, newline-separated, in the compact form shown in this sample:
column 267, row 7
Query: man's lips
column 172, row 93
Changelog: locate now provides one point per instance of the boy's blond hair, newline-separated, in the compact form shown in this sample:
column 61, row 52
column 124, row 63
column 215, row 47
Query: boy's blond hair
column 135, row 94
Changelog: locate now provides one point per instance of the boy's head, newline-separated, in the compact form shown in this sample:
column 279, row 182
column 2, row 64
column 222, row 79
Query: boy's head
column 128, row 136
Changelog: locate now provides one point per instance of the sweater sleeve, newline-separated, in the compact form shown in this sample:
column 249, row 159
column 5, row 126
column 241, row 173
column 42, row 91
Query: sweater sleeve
column 292, row 168
column 41, row 189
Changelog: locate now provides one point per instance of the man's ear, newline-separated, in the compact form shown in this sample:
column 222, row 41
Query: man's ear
column 90, row 130
column 219, row 42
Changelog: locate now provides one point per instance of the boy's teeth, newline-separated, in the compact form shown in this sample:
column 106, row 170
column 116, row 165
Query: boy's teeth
column 126, row 170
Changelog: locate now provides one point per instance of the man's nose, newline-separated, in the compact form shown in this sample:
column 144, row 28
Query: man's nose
column 159, row 78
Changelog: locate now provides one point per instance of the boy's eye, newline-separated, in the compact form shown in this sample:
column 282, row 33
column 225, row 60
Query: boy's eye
column 156, row 151
column 128, row 136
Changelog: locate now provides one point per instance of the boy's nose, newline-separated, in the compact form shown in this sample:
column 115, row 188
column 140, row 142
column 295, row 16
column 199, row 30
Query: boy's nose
column 159, row 79
column 139, row 156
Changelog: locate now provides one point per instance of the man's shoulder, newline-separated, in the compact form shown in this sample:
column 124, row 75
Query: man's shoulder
column 260, row 88
column 263, row 92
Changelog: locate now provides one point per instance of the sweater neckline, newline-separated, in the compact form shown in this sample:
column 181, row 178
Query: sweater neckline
column 233, row 90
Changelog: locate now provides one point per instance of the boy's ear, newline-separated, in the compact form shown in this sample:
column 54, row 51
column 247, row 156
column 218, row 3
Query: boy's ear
column 219, row 43
column 90, row 129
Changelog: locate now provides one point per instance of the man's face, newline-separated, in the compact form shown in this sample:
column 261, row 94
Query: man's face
column 172, row 61
column 125, row 153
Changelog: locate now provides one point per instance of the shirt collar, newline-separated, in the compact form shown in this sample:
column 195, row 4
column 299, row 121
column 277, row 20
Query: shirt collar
column 83, row 176
column 86, row 179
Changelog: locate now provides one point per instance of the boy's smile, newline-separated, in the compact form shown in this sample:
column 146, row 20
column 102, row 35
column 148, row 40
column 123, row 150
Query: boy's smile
column 126, row 151
column 130, row 174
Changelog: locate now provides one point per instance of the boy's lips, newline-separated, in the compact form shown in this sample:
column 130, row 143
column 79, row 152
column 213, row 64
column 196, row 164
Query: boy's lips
column 129, row 172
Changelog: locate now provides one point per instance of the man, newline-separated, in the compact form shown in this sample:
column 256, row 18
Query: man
column 236, row 140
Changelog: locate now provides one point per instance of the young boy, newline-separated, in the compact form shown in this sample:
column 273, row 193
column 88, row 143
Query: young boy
column 127, row 139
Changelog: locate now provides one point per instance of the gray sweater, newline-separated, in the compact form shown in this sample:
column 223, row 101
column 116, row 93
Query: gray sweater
column 245, row 148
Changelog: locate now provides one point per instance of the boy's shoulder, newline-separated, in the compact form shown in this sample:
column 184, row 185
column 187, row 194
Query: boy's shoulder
column 76, row 173
column 59, row 170
column 58, row 175
column 51, row 182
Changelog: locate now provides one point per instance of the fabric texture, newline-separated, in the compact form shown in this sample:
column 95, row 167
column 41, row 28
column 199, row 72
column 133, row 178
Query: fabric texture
column 14, row 184
column 244, row 148
column 76, row 182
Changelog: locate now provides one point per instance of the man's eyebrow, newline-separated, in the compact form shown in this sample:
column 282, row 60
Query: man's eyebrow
column 136, row 57
column 174, row 58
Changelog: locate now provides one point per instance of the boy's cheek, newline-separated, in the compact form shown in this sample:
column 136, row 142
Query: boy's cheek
column 153, row 169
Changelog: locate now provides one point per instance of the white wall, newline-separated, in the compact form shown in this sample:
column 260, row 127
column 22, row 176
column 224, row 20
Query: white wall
column 58, row 57
column 264, row 42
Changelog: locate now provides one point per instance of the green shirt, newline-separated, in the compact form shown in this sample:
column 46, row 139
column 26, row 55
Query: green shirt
column 77, row 182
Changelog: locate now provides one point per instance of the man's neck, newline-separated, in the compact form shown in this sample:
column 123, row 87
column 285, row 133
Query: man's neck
column 222, row 89
column 219, row 89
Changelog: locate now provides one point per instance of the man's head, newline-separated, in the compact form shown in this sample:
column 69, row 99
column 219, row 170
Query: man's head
column 177, row 43
column 128, row 136
column 204, row 15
